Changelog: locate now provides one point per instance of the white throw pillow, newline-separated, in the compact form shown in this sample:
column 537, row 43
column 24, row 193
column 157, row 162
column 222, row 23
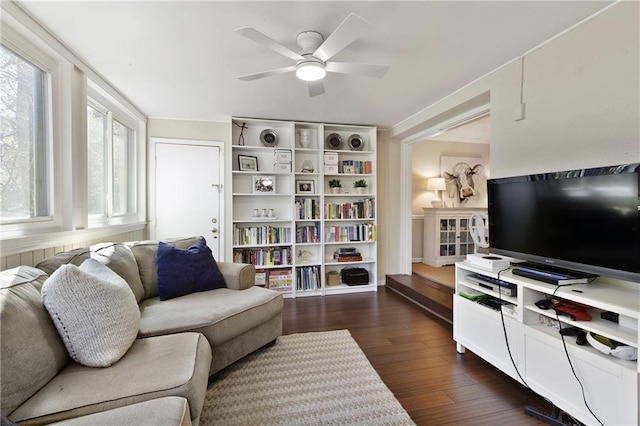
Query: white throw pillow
column 94, row 310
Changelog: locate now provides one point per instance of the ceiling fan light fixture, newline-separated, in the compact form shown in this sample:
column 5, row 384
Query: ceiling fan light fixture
column 310, row 71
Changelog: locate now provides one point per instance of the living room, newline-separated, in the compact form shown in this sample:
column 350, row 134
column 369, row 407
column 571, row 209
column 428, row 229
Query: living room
column 569, row 101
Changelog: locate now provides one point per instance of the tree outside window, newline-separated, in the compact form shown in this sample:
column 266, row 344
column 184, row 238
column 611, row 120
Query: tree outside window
column 111, row 164
column 24, row 141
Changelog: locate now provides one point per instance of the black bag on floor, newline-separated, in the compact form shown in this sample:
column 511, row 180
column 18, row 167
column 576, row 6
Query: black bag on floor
column 354, row 276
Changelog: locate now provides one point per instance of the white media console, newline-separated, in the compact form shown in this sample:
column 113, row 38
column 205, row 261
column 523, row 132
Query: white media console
column 611, row 385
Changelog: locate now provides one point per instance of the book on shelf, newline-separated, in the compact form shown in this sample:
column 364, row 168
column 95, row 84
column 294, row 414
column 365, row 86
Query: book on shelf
column 347, row 258
column 361, row 209
column 270, row 256
column 345, row 250
column 359, row 167
column 307, row 209
column 267, row 234
column 347, row 233
column 308, row 233
column 261, row 277
column 308, row 278
column 280, row 279
column 347, row 255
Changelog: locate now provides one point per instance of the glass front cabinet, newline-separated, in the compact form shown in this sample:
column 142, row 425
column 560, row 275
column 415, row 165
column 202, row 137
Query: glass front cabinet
column 446, row 235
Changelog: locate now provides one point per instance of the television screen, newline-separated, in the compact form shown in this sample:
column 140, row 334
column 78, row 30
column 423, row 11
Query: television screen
column 585, row 220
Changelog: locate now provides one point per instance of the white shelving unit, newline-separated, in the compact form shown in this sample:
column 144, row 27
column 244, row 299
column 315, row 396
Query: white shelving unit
column 301, row 204
column 536, row 347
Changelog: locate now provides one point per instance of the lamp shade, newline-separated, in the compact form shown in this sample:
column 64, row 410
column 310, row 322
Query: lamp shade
column 436, row 184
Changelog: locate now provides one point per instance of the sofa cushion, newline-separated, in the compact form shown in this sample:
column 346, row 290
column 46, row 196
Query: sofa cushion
column 31, row 351
column 174, row 365
column 94, row 310
column 145, row 253
column 117, row 256
column 186, row 271
column 70, row 257
column 167, row 411
column 218, row 314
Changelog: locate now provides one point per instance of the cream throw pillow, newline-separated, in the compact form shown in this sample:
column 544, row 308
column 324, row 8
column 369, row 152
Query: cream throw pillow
column 94, row 310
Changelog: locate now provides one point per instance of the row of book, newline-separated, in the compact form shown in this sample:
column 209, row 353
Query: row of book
column 308, row 278
column 307, row 209
column 360, row 167
column 266, row 234
column 362, row 209
column 273, row 256
column 346, row 233
column 308, row 233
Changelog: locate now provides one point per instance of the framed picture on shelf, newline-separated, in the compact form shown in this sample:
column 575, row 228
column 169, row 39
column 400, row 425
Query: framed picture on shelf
column 264, row 184
column 305, row 187
column 247, row 163
column 349, row 169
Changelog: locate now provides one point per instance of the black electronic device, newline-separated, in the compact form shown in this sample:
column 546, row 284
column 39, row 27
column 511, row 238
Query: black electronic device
column 584, row 220
column 494, row 284
column 550, row 275
column 492, row 302
column 580, row 334
column 544, row 304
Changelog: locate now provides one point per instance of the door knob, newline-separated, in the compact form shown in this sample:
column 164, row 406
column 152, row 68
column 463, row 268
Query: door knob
column 214, row 230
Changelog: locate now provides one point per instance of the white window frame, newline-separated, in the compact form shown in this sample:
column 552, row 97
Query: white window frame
column 68, row 223
column 96, row 98
column 12, row 40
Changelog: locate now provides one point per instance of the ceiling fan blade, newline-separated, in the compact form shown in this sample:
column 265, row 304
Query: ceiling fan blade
column 349, row 30
column 367, row 70
column 263, row 40
column 316, row 88
column 267, row 73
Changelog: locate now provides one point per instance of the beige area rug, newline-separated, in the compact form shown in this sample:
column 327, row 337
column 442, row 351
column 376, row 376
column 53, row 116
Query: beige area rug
column 320, row 378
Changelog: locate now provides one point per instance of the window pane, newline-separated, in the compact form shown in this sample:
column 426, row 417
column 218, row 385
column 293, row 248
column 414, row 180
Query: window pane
column 123, row 164
column 24, row 162
column 97, row 160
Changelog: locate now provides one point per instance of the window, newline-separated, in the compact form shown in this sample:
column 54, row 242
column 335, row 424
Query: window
column 111, row 147
column 24, row 140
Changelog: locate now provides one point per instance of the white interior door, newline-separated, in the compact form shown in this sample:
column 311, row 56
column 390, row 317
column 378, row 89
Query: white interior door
column 188, row 192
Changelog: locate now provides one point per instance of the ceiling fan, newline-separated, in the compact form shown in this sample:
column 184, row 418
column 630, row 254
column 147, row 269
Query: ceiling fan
column 312, row 63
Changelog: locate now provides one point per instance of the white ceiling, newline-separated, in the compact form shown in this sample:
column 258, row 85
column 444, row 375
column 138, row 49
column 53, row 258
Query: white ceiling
column 179, row 59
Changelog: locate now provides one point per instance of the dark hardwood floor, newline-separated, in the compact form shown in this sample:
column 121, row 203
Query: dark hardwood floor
column 414, row 354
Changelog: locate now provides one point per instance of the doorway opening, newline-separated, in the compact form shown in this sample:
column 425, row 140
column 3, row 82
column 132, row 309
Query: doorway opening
column 453, row 124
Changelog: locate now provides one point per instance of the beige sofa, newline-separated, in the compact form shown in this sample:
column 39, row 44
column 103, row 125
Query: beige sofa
column 181, row 341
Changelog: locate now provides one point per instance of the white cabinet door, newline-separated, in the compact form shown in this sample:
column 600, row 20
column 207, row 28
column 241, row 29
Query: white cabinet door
column 188, row 193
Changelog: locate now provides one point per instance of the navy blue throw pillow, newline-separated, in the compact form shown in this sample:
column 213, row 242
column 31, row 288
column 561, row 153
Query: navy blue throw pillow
column 186, row 271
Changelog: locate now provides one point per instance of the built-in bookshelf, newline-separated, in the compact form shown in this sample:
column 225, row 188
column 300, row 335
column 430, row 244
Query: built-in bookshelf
column 287, row 220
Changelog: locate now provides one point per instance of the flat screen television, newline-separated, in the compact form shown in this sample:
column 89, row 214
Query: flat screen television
column 584, row 220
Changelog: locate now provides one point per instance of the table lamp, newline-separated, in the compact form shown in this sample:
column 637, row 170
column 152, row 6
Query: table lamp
column 436, row 185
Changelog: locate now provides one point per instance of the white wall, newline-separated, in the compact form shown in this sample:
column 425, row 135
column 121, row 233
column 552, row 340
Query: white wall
column 581, row 91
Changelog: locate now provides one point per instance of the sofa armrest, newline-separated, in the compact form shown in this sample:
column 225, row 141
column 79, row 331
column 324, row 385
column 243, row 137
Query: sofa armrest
column 238, row 276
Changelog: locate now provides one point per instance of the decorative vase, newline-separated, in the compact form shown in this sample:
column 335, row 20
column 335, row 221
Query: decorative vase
column 335, row 190
column 360, row 189
column 307, row 166
column 304, row 138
